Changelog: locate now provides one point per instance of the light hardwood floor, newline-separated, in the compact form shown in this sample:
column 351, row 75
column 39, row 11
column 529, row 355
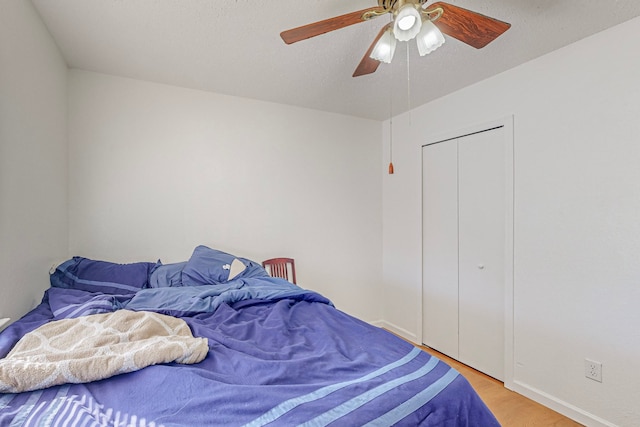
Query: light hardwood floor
column 510, row 408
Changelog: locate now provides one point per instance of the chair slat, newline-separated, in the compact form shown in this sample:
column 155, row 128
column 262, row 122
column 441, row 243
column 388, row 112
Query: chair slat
column 279, row 267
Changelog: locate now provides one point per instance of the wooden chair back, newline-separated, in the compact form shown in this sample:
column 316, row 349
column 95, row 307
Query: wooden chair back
column 281, row 267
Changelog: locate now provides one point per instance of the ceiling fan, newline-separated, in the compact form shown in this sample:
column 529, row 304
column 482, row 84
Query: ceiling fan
column 410, row 19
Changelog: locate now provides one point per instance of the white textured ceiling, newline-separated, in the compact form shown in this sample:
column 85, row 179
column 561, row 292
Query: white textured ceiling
column 233, row 47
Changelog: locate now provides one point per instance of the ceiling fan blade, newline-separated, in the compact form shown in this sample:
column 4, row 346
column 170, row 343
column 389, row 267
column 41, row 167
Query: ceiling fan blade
column 331, row 24
column 369, row 65
column 469, row 27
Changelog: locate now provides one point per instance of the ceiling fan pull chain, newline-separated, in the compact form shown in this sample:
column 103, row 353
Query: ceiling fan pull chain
column 408, row 86
column 391, row 121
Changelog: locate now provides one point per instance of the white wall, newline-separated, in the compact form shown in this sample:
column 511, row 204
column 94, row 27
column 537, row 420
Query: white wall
column 156, row 170
column 577, row 232
column 33, row 192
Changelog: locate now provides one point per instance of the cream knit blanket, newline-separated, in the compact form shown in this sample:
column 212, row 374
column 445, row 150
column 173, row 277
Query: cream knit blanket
column 95, row 347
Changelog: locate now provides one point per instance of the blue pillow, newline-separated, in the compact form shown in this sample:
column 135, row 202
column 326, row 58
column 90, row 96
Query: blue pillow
column 167, row 275
column 102, row 276
column 210, row 266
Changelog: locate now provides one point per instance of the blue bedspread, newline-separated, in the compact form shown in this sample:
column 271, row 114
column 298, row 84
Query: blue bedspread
column 278, row 355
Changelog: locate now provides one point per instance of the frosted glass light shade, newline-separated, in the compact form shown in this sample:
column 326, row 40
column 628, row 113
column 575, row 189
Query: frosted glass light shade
column 385, row 47
column 429, row 38
column 407, row 23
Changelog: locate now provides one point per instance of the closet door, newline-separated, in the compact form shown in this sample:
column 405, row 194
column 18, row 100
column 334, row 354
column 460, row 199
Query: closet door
column 440, row 246
column 481, row 251
column 464, row 248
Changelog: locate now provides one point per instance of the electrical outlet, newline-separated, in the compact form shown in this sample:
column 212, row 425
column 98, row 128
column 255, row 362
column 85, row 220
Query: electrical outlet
column 593, row 370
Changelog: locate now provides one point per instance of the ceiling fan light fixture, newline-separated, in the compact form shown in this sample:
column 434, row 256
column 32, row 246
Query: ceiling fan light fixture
column 385, row 47
column 407, row 23
column 429, row 39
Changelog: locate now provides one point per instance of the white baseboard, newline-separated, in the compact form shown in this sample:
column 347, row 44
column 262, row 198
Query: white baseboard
column 377, row 323
column 397, row 330
column 579, row 415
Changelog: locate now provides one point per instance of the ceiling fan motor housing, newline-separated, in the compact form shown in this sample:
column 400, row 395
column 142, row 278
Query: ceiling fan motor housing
column 394, row 5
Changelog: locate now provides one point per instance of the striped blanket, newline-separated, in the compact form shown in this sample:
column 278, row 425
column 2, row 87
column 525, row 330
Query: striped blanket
column 277, row 356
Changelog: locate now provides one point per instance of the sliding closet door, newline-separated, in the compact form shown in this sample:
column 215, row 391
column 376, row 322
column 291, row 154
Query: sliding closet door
column 481, row 222
column 440, row 246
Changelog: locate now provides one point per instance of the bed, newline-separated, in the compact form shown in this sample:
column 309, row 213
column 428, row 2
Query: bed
column 225, row 345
